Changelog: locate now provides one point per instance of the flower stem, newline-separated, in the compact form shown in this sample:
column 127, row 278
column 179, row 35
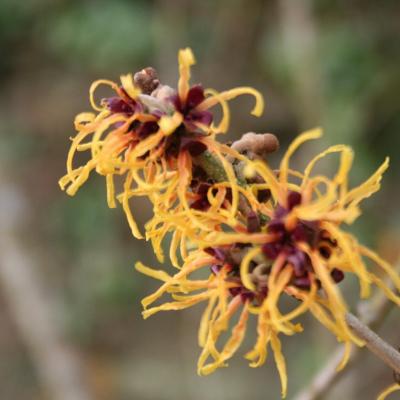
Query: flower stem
column 212, row 166
column 373, row 314
column 388, row 354
column 258, row 144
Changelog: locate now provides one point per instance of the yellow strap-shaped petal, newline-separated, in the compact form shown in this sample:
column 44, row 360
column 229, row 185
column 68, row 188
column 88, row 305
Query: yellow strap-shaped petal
column 221, row 238
column 384, row 265
column 280, row 361
column 176, row 305
column 319, row 207
column 223, row 125
column 82, row 119
column 370, row 186
column 110, row 191
column 186, row 60
column 347, row 156
column 129, row 86
column 231, row 94
column 304, row 137
column 233, row 343
column 303, row 307
column 156, row 274
column 259, row 353
column 176, row 237
column 245, row 268
column 94, row 86
column 125, row 205
column 392, row 388
column 277, row 282
column 168, row 124
column 270, row 178
column 346, row 356
column 205, row 321
column 338, row 306
column 346, row 243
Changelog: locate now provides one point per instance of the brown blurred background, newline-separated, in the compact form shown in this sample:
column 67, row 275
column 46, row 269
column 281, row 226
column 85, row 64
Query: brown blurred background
column 70, row 324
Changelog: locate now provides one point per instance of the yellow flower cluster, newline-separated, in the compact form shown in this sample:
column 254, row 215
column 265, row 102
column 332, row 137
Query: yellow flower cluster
column 300, row 252
column 260, row 234
column 151, row 141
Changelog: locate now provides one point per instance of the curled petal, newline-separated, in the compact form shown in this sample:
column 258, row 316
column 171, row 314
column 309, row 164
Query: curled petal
column 93, row 88
column 369, row 187
column 345, row 163
column 245, row 268
column 280, row 362
column 223, row 125
column 233, row 93
column 186, row 60
column 129, row 86
column 391, row 389
column 169, row 124
column 304, row 137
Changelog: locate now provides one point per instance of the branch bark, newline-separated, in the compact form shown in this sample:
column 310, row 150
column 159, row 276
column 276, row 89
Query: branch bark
column 373, row 314
column 388, row 354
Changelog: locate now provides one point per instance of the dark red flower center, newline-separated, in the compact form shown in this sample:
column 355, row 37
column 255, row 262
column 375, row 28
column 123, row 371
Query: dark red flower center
column 192, row 117
column 287, row 242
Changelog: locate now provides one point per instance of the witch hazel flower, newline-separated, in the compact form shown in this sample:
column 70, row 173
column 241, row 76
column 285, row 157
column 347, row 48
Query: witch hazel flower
column 256, row 235
column 149, row 134
column 216, row 202
column 293, row 247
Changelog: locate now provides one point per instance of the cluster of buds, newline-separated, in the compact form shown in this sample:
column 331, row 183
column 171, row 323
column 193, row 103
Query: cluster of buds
column 260, row 234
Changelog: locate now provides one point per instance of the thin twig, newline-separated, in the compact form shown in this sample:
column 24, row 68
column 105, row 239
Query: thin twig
column 373, row 314
column 212, row 166
column 388, row 354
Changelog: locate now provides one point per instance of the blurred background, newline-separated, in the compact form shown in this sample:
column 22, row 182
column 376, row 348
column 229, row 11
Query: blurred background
column 70, row 323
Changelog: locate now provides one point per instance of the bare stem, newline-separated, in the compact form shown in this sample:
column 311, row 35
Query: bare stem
column 212, row 166
column 388, row 354
column 257, row 144
column 372, row 313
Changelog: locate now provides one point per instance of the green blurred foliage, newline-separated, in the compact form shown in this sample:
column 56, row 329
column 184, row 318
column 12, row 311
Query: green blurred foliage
column 97, row 34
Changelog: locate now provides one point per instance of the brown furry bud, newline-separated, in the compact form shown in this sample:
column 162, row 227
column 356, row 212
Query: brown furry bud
column 147, row 80
column 257, row 143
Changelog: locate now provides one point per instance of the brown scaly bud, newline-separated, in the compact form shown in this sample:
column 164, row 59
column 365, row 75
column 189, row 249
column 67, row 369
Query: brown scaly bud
column 256, row 143
column 147, row 80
